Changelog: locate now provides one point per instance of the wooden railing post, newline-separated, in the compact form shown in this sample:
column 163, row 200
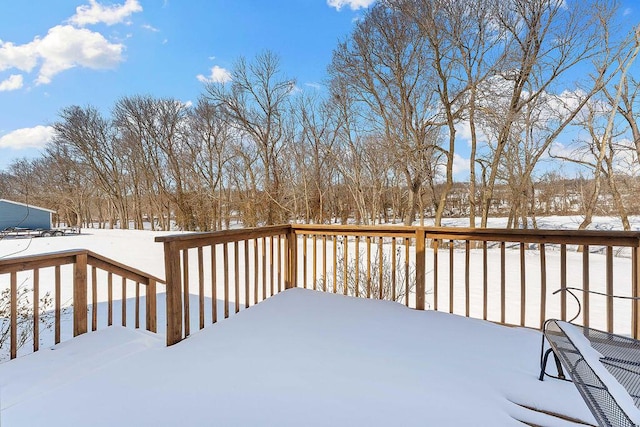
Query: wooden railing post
column 150, row 308
column 420, row 268
column 80, row 295
column 291, row 259
column 174, row 293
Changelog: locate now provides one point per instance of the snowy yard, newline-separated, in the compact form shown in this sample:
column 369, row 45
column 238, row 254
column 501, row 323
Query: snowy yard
column 299, row 358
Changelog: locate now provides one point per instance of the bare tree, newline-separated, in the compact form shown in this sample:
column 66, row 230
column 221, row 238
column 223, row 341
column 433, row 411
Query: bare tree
column 209, row 152
column 318, row 134
column 384, row 66
column 92, row 140
column 255, row 102
column 600, row 123
column 544, row 41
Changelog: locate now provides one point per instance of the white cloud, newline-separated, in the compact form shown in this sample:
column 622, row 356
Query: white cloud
column 460, row 165
column 23, row 57
column 66, row 47
column 62, row 48
column 96, row 13
column 627, row 11
column 626, row 162
column 463, row 132
column 150, row 28
column 218, row 75
column 558, row 149
column 353, row 4
column 35, row 137
column 14, row 82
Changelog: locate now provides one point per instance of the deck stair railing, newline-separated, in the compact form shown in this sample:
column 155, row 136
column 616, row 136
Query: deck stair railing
column 85, row 270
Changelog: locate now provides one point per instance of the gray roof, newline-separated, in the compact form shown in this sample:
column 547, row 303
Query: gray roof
column 27, row 205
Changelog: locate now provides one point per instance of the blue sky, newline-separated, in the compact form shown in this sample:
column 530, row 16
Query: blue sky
column 54, row 54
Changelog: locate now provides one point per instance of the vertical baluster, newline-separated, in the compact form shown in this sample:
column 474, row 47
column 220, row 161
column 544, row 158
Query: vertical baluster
column 36, row 309
column 485, row 281
column 279, row 262
column 380, row 268
column 436, row 243
column 247, row 293
column 635, row 292
column 406, row 271
column 110, row 297
column 264, row 268
column 290, row 254
column 421, row 260
column 315, row 260
column 214, row 285
column 357, row 269
column 610, row 289
column 137, row 320
column 451, row 267
column 124, row 301
column 58, row 303
column 185, row 281
column 543, row 285
column 585, row 286
column 201, row 287
column 324, row 263
column 345, row 276
column 271, row 269
column 523, row 285
column 13, row 346
column 304, row 261
column 334, row 238
column 94, row 299
column 503, row 282
column 151, row 306
column 368, row 241
column 236, row 277
column 467, row 287
column 255, row 271
column 563, row 281
column 225, row 258
column 393, row 268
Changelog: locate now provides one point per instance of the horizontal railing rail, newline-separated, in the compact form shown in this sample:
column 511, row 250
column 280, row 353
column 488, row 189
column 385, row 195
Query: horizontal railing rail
column 79, row 270
column 501, row 275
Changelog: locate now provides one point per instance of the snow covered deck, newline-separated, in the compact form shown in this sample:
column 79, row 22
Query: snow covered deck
column 299, row 358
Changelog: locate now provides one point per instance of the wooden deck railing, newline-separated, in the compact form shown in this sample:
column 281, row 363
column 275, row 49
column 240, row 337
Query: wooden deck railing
column 259, row 258
column 46, row 271
column 506, row 276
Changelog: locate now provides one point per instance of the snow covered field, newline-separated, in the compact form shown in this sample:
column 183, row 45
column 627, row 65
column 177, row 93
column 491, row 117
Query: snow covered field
column 300, row 358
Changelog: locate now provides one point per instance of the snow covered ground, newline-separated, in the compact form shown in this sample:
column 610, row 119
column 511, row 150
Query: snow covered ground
column 300, row 358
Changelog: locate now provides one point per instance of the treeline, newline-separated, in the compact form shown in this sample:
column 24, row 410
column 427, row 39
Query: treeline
column 381, row 140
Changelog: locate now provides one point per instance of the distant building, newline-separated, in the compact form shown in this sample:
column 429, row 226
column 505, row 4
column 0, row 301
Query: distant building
column 20, row 215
